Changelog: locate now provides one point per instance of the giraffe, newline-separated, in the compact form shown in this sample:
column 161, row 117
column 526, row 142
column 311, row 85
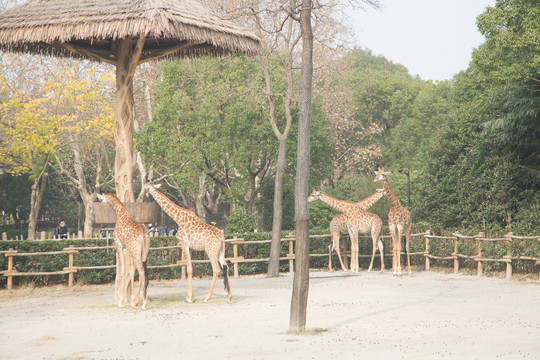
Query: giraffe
column 338, row 226
column 130, row 238
column 399, row 223
column 358, row 220
column 193, row 233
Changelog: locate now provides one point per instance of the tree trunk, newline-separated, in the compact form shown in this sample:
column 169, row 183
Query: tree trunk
column 199, row 199
column 38, row 188
column 252, row 193
column 301, row 190
column 281, row 166
column 88, row 202
column 82, row 186
column 125, row 160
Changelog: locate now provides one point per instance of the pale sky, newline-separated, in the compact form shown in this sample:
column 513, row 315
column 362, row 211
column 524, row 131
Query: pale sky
column 431, row 38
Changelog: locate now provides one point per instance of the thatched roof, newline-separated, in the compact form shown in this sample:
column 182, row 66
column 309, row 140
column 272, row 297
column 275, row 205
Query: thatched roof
column 183, row 28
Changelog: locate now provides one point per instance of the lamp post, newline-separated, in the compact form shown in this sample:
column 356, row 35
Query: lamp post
column 406, row 172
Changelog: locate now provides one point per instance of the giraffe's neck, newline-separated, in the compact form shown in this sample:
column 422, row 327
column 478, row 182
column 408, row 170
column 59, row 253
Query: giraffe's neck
column 117, row 205
column 370, row 201
column 339, row 205
column 178, row 214
column 391, row 195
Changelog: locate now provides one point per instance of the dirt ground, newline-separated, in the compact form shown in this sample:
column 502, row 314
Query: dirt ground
column 364, row 316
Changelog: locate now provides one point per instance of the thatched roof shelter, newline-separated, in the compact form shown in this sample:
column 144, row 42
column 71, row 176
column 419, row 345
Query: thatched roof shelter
column 124, row 33
column 89, row 28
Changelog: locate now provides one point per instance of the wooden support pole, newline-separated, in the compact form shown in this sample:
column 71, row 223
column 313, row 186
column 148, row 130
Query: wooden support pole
column 426, row 251
column 480, row 266
column 235, row 255
column 4, row 236
column 291, row 238
column 454, row 254
column 72, row 269
column 509, row 256
column 10, row 269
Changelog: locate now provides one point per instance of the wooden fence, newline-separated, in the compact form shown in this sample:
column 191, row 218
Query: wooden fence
column 456, row 240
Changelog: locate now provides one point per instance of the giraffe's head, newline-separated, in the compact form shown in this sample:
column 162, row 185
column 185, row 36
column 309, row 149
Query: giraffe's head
column 101, row 197
column 380, row 175
column 315, row 195
column 149, row 185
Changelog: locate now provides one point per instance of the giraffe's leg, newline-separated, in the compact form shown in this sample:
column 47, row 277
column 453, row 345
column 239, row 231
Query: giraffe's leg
column 134, row 299
column 225, row 268
column 381, row 253
column 398, row 251
column 346, row 263
column 145, row 288
column 354, row 252
column 372, row 254
column 376, row 237
column 189, row 268
column 394, row 249
column 407, row 238
column 129, row 273
column 336, row 245
column 142, row 284
column 330, row 250
column 118, row 279
column 215, row 272
column 351, row 237
column 122, row 275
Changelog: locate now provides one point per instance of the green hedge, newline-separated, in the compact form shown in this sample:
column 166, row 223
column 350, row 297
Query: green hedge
column 49, row 263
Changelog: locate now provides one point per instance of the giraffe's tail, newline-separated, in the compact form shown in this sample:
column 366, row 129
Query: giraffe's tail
column 224, row 266
column 147, row 279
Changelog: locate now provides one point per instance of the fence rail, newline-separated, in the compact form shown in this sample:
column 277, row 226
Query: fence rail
column 429, row 239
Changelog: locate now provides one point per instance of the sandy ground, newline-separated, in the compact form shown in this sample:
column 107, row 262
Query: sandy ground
column 360, row 316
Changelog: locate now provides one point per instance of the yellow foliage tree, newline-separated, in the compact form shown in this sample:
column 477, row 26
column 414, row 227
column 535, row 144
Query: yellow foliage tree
column 69, row 110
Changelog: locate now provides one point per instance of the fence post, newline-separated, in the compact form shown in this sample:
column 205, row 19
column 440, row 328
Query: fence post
column 4, row 236
column 10, row 269
column 290, row 255
column 454, row 254
column 480, row 266
column 426, row 252
column 80, row 234
column 235, row 255
column 72, row 270
column 43, row 236
column 508, row 256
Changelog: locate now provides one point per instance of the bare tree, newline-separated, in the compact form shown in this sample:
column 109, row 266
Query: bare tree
column 289, row 40
column 301, row 189
column 146, row 78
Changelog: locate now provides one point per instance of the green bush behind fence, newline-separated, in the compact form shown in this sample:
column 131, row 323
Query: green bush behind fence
column 318, row 245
